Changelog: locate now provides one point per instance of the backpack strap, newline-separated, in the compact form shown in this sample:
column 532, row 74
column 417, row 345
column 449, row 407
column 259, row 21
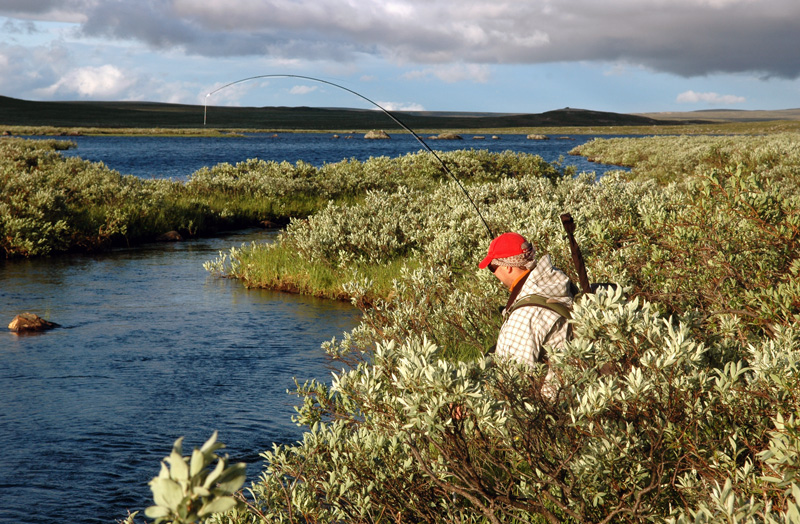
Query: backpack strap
column 540, row 301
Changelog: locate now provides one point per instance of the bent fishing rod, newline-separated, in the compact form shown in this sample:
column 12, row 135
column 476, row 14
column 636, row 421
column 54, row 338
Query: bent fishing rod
column 385, row 111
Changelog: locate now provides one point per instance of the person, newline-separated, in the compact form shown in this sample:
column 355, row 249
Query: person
column 526, row 331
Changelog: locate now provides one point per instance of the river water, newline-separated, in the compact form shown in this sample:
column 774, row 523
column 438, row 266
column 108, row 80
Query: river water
column 151, row 347
column 179, row 157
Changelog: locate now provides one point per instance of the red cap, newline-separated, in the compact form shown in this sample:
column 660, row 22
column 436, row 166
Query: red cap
column 504, row 246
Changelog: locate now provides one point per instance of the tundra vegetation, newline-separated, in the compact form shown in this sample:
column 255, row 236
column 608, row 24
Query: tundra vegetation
column 51, row 204
column 697, row 419
column 678, row 396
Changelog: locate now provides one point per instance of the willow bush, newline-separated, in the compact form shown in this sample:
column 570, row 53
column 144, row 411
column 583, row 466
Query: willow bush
column 776, row 157
column 678, row 396
column 657, row 440
column 51, row 204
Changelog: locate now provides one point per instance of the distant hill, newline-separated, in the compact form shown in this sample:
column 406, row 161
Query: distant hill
column 727, row 115
column 159, row 115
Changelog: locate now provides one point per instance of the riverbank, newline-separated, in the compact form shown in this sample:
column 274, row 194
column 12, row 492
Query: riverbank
column 675, row 128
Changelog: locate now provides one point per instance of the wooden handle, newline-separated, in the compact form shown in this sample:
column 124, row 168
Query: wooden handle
column 577, row 257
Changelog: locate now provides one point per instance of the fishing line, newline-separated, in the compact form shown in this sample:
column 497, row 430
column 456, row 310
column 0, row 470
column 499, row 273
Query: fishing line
column 385, row 111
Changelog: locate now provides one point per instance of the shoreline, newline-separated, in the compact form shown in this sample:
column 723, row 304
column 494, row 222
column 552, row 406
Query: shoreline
column 734, row 128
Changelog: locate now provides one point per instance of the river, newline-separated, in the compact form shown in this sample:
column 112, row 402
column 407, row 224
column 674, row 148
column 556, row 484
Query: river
column 151, row 347
column 179, row 157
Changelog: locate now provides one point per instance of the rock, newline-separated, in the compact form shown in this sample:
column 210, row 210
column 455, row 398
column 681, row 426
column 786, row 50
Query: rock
column 538, row 137
column 337, row 136
column 169, row 236
column 495, row 137
column 478, row 137
column 447, row 136
column 376, row 134
column 30, row 322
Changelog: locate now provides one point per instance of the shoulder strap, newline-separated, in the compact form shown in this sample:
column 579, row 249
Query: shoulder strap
column 540, row 301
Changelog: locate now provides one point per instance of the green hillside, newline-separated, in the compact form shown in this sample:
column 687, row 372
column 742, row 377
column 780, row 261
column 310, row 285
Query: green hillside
column 15, row 112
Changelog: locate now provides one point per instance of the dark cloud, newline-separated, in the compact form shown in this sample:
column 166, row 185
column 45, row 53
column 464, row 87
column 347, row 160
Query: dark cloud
column 683, row 37
column 52, row 10
column 29, row 7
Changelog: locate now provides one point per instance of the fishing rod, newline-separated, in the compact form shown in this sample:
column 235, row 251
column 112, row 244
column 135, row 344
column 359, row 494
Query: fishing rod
column 385, row 111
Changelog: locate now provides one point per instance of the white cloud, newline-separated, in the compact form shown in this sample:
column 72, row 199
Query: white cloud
column 453, row 73
column 692, row 97
column 26, row 69
column 105, row 81
column 401, row 106
column 302, row 90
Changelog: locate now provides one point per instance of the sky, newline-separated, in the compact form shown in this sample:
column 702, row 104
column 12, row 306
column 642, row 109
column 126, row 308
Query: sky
column 505, row 56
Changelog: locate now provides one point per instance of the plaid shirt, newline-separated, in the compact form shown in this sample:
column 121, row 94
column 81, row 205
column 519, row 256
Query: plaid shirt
column 527, row 330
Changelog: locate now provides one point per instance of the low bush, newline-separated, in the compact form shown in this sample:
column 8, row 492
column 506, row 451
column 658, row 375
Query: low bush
column 775, row 157
column 409, row 436
column 51, row 204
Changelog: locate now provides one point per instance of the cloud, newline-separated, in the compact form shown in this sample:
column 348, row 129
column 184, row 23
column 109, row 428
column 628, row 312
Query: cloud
column 453, row 73
column 692, row 97
column 401, row 106
column 26, row 69
column 302, row 90
column 10, row 27
column 50, row 10
column 105, row 81
column 682, row 37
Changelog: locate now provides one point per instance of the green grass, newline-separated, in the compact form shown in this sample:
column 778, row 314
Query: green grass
column 282, row 269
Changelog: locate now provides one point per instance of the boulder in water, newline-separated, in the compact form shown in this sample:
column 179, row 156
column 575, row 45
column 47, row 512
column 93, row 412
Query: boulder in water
column 169, row 236
column 448, row 136
column 30, row 322
column 372, row 135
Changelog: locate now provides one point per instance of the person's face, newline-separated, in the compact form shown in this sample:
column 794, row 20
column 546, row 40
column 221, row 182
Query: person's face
column 504, row 274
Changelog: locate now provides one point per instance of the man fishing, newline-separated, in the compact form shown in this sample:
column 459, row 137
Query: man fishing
column 527, row 330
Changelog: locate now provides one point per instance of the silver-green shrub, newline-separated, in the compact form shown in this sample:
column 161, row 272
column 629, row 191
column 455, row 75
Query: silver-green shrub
column 50, row 204
column 408, row 436
column 678, row 398
column 189, row 489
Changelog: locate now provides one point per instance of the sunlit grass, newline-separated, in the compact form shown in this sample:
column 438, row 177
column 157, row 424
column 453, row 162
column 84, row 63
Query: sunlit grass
column 279, row 267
